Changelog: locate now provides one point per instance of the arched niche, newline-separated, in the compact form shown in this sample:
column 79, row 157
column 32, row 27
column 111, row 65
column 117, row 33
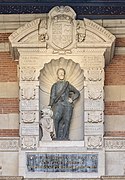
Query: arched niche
column 75, row 76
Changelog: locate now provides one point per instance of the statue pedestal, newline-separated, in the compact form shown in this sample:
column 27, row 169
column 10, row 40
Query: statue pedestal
column 62, row 159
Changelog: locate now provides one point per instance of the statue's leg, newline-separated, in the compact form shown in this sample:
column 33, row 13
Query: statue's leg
column 58, row 111
column 67, row 118
column 60, row 130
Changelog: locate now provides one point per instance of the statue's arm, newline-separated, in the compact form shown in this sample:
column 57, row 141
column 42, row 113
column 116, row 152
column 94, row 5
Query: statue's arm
column 76, row 93
column 52, row 95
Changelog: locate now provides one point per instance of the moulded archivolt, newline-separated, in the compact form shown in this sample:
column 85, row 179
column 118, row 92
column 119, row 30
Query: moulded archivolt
column 24, row 30
column 48, row 75
column 99, row 30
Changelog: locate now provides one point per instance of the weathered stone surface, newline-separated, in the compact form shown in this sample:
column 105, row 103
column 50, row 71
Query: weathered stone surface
column 9, row 144
column 11, row 178
column 113, row 177
column 115, row 144
column 62, row 179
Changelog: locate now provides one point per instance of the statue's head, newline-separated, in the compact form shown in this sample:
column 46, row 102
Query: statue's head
column 61, row 73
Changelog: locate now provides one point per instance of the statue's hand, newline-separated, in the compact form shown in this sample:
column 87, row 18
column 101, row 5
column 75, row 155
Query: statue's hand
column 70, row 100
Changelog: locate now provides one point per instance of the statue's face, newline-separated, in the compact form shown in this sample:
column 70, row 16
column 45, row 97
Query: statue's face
column 61, row 74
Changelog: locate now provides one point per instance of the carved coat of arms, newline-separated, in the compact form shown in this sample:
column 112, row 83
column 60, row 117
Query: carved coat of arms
column 61, row 27
column 62, row 35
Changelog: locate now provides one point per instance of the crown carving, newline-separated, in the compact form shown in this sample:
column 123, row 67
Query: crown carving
column 67, row 12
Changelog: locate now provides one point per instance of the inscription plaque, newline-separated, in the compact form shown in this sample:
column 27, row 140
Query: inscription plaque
column 62, row 163
column 30, row 129
column 91, row 104
column 29, row 105
column 94, row 129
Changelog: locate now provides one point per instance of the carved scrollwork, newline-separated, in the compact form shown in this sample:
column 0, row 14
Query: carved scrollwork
column 28, row 142
column 43, row 37
column 95, row 93
column 94, row 142
column 81, row 33
column 9, row 144
column 115, row 144
column 28, row 74
column 28, row 117
column 95, row 74
column 28, row 93
column 95, row 117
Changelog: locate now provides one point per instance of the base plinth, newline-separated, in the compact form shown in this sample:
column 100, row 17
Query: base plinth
column 62, row 159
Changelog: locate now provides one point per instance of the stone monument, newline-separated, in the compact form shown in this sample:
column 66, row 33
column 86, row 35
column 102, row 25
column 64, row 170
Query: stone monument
column 82, row 48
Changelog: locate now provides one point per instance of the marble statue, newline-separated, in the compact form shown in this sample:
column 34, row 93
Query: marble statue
column 62, row 98
column 47, row 125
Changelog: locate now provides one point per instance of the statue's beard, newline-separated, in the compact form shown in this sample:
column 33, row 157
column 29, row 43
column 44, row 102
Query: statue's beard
column 61, row 78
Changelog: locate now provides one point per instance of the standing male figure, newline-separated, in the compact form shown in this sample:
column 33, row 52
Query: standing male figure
column 62, row 98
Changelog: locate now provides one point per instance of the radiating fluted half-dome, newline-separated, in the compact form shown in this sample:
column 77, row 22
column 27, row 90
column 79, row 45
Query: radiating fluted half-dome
column 48, row 75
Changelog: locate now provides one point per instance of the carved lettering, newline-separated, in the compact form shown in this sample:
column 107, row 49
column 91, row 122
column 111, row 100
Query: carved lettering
column 62, row 162
column 30, row 129
column 92, row 129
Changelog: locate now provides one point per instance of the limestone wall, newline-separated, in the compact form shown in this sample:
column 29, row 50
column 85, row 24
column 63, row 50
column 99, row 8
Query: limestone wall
column 9, row 163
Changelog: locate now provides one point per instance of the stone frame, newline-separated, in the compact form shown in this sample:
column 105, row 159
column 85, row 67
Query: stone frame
column 33, row 45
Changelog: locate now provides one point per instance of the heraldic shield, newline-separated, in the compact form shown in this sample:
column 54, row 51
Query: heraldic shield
column 61, row 26
column 62, row 35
